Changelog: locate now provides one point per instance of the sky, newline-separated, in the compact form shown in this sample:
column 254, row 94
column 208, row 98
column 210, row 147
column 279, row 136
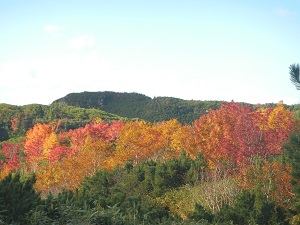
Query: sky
column 189, row 49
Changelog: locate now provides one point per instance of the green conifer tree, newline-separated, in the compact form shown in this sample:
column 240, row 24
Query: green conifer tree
column 17, row 198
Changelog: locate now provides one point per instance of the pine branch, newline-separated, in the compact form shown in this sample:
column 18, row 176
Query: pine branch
column 294, row 75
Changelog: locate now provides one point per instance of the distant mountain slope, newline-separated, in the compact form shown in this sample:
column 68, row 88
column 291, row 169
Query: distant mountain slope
column 125, row 104
column 134, row 105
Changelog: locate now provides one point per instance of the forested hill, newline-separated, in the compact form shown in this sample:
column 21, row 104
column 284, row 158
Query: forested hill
column 134, row 105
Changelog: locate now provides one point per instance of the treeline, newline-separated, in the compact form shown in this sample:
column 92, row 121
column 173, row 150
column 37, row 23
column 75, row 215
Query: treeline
column 15, row 121
column 228, row 166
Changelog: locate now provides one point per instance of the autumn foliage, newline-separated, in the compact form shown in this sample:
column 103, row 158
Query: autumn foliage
column 233, row 135
column 11, row 152
column 231, row 139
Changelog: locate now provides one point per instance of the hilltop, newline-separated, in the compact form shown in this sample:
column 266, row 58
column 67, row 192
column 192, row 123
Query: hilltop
column 135, row 105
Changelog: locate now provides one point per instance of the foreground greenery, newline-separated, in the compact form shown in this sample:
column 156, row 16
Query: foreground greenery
column 148, row 193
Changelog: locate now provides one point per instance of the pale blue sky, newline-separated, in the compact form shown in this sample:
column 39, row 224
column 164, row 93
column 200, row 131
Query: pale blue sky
column 190, row 49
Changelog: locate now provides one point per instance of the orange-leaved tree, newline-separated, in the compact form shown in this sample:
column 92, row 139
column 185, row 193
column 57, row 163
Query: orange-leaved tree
column 231, row 136
column 137, row 141
column 34, row 145
column 215, row 134
column 75, row 154
column 69, row 171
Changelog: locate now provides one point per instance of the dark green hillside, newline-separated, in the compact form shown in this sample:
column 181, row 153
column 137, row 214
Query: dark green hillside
column 134, row 105
column 123, row 104
column 24, row 117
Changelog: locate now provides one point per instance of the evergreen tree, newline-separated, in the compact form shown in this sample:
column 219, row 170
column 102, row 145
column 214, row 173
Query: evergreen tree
column 200, row 214
column 17, row 198
column 246, row 211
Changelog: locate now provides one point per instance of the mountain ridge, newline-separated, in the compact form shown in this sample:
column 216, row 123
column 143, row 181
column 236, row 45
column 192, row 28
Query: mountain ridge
column 135, row 105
